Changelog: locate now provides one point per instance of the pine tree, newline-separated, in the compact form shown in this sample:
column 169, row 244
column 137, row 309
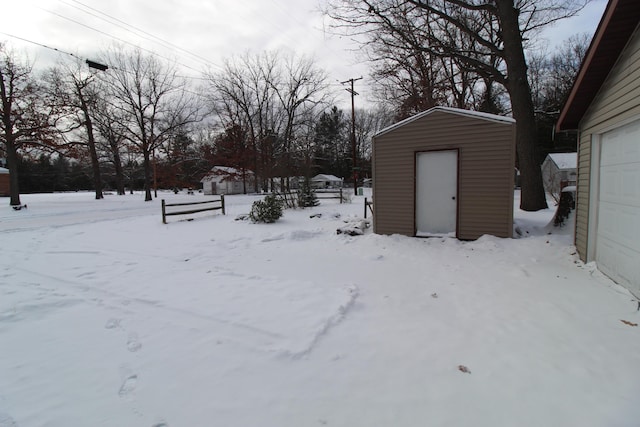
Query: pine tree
column 267, row 210
column 306, row 196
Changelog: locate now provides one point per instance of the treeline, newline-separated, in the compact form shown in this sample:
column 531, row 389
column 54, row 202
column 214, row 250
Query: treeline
column 468, row 54
column 138, row 122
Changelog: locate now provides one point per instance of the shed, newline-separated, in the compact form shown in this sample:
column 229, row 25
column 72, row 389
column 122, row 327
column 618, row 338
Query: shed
column 604, row 107
column 227, row 180
column 559, row 171
column 4, row 182
column 326, row 181
column 445, row 171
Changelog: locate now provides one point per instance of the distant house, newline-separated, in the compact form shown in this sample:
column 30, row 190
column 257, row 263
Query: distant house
column 326, row 181
column 4, row 182
column 604, row 107
column 559, row 171
column 227, row 180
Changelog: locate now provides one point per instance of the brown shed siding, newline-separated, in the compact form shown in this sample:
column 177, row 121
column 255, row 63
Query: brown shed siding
column 4, row 184
column 616, row 102
column 486, row 158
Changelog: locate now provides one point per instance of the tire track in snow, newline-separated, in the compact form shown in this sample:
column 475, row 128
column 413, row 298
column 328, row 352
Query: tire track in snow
column 328, row 325
column 233, row 329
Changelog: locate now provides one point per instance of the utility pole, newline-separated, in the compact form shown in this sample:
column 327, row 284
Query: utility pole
column 353, row 132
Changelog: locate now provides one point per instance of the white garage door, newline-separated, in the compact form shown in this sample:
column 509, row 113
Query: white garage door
column 618, row 235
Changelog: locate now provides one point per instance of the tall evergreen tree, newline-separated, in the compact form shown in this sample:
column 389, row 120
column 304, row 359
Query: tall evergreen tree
column 333, row 152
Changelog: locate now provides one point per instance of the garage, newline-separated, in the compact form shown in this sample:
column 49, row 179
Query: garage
column 617, row 249
column 603, row 107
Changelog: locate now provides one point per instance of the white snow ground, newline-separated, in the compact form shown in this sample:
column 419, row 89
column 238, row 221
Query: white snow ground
column 110, row 318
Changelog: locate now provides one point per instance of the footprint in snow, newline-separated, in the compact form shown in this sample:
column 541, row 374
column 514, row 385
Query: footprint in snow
column 7, row 421
column 133, row 344
column 128, row 385
column 112, row 324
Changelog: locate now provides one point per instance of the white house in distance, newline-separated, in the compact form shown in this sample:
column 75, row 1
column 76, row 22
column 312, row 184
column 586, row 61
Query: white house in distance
column 326, row 181
column 227, row 180
column 559, row 171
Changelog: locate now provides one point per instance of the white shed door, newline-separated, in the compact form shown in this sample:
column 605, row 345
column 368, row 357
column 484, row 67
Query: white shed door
column 618, row 230
column 436, row 192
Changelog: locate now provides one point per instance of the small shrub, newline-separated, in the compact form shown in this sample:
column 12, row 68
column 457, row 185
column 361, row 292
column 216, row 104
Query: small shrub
column 267, row 210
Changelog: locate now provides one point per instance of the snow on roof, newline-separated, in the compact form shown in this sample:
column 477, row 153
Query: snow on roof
column 225, row 171
column 323, row 177
column 565, row 160
column 459, row 111
column 4, row 170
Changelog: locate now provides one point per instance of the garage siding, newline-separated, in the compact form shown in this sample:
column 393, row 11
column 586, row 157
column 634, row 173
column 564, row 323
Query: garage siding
column 617, row 102
column 486, row 162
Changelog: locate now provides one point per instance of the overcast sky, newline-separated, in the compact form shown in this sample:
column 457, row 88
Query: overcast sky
column 212, row 30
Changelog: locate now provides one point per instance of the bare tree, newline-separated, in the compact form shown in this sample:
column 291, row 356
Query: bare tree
column 73, row 91
column 302, row 93
column 154, row 97
column 368, row 123
column 498, row 29
column 551, row 75
column 269, row 97
column 242, row 96
column 25, row 115
column 108, row 123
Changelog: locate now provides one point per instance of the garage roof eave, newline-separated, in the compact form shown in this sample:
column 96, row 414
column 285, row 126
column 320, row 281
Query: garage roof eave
column 618, row 23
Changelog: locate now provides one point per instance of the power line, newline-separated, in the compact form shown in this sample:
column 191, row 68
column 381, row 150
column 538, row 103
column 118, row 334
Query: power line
column 40, row 44
column 138, row 32
column 114, row 37
column 86, row 59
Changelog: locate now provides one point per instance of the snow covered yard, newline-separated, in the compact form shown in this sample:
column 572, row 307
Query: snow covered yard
column 110, row 318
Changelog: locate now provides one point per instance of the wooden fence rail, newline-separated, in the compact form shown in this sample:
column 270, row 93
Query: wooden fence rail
column 219, row 204
column 330, row 194
column 289, row 198
column 368, row 205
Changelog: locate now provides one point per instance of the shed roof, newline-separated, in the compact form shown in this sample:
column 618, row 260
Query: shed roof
column 616, row 27
column 450, row 110
column 223, row 171
column 565, row 160
column 324, row 177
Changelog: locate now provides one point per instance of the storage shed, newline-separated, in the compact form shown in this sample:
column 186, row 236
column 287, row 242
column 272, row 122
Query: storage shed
column 227, row 180
column 559, row 171
column 326, row 181
column 445, row 171
column 4, row 182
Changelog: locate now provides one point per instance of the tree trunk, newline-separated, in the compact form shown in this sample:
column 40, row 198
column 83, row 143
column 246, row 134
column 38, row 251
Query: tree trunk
column 117, row 164
column 88, row 124
column 95, row 164
column 12, row 163
column 147, row 176
column 532, row 193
